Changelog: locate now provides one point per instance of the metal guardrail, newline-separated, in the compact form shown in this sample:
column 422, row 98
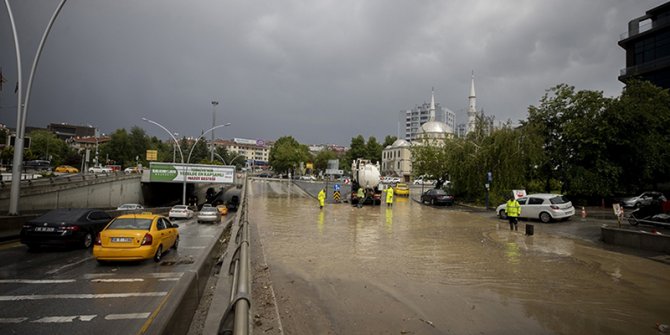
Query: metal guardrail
column 236, row 319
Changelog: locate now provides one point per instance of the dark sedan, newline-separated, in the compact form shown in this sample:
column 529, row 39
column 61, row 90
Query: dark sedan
column 437, row 197
column 75, row 226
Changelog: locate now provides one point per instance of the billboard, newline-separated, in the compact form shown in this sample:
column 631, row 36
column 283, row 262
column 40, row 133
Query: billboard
column 194, row 173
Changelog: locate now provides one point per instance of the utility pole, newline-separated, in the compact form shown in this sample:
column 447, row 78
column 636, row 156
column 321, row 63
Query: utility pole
column 211, row 150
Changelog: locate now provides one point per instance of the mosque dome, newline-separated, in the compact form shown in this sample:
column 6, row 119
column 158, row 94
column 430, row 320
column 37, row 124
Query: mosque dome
column 435, row 127
column 400, row 143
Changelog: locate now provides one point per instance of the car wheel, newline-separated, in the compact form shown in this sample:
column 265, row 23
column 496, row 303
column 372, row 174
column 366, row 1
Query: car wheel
column 632, row 220
column 159, row 254
column 88, row 241
column 545, row 217
column 176, row 243
column 502, row 214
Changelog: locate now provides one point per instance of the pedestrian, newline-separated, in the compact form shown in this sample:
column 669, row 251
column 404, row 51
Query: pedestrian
column 389, row 197
column 513, row 210
column 322, row 197
column 360, row 194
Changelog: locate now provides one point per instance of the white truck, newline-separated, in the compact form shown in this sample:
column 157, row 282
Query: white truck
column 365, row 175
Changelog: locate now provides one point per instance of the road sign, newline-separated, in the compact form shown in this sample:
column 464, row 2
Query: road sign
column 336, row 195
column 336, row 187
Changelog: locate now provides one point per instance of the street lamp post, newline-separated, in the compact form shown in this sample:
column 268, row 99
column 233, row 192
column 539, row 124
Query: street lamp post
column 214, row 104
column 191, row 151
column 22, row 106
column 183, row 198
column 174, row 148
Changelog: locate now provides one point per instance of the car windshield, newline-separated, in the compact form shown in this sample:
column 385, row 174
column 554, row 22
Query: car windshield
column 439, row 192
column 559, row 200
column 208, row 209
column 130, row 223
column 180, row 207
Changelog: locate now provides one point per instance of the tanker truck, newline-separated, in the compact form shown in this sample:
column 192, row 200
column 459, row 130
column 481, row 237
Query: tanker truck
column 366, row 175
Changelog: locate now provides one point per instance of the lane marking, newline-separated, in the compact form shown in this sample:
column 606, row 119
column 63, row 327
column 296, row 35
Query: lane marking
column 120, row 280
column 64, row 319
column 127, row 316
column 36, row 281
column 98, row 275
column 69, row 265
column 166, row 275
column 169, row 279
column 80, row 296
column 12, row 320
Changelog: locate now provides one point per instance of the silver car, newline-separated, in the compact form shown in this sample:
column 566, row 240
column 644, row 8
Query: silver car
column 180, row 212
column 209, row 214
column 644, row 199
column 543, row 206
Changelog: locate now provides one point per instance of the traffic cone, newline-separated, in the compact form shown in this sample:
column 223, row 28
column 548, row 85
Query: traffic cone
column 583, row 212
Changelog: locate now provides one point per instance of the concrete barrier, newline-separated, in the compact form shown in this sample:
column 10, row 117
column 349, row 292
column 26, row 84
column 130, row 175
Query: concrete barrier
column 637, row 239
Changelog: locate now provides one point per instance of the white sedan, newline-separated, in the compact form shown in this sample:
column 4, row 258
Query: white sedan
column 99, row 169
column 180, row 212
column 543, row 206
column 129, row 207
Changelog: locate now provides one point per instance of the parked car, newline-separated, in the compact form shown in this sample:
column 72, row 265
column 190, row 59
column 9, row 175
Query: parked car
column 73, row 226
column 308, row 177
column 99, row 169
column 133, row 237
column 129, row 207
column 422, row 181
column 180, row 212
column 209, row 214
column 133, row 169
column 223, row 209
column 543, row 206
column 644, row 199
column 390, row 180
column 66, row 169
column 436, row 196
column 401, row 190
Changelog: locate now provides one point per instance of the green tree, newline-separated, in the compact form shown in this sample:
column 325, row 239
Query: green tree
column 287, row 154
column 373, row 150
column 45, row 145
column 357, row 149
column 389, row 140
column 640, row 135
column 322, row 158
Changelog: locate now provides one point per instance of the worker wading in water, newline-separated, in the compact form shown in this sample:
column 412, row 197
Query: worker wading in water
column 389, row 197
column 360, row 194
column 322, row 198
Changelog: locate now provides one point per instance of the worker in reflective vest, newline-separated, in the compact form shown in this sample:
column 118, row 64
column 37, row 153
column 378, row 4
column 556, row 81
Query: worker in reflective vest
column 389, row 197
column 513, row 210
column 322, row 197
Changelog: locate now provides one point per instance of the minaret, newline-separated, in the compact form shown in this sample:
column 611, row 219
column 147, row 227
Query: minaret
column 472, row 110
column 432, row 105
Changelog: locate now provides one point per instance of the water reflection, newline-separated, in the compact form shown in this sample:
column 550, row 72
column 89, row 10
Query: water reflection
column 439, row 263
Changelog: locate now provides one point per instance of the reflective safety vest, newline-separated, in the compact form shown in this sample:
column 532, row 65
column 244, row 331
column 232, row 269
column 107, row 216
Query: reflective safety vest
column 360, row 193
column 389, row 195
column 513, row 208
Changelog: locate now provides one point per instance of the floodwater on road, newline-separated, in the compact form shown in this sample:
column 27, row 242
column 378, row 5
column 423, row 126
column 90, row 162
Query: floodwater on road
column 414, row 269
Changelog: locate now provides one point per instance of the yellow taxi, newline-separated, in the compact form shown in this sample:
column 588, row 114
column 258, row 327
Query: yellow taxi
column 223, row 210
column 66, row 169
column 401, row 190
column 134, row 237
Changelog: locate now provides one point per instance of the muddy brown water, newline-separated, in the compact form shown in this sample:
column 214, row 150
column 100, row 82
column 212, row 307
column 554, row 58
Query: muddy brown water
column 413, row 269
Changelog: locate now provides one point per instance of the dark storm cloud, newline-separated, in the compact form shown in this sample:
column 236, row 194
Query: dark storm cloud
column 322, row 71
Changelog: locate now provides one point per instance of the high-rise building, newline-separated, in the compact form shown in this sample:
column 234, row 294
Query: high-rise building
column 647, row 45
column 414, row 118
column 472, row 107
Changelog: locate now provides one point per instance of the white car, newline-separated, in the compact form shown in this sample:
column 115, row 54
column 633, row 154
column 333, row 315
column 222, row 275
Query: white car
column 543, row 206
column 308, row 177
column 129, row 207
column 422, row 181
column 180, row 212
column 99, row 169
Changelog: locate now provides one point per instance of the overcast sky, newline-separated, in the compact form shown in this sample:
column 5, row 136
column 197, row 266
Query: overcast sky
column 321, row 71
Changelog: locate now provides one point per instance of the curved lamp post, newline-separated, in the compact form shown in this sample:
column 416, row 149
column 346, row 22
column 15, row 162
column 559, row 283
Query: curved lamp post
column 22, row 107
column 183, row 198
column 191, row 151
